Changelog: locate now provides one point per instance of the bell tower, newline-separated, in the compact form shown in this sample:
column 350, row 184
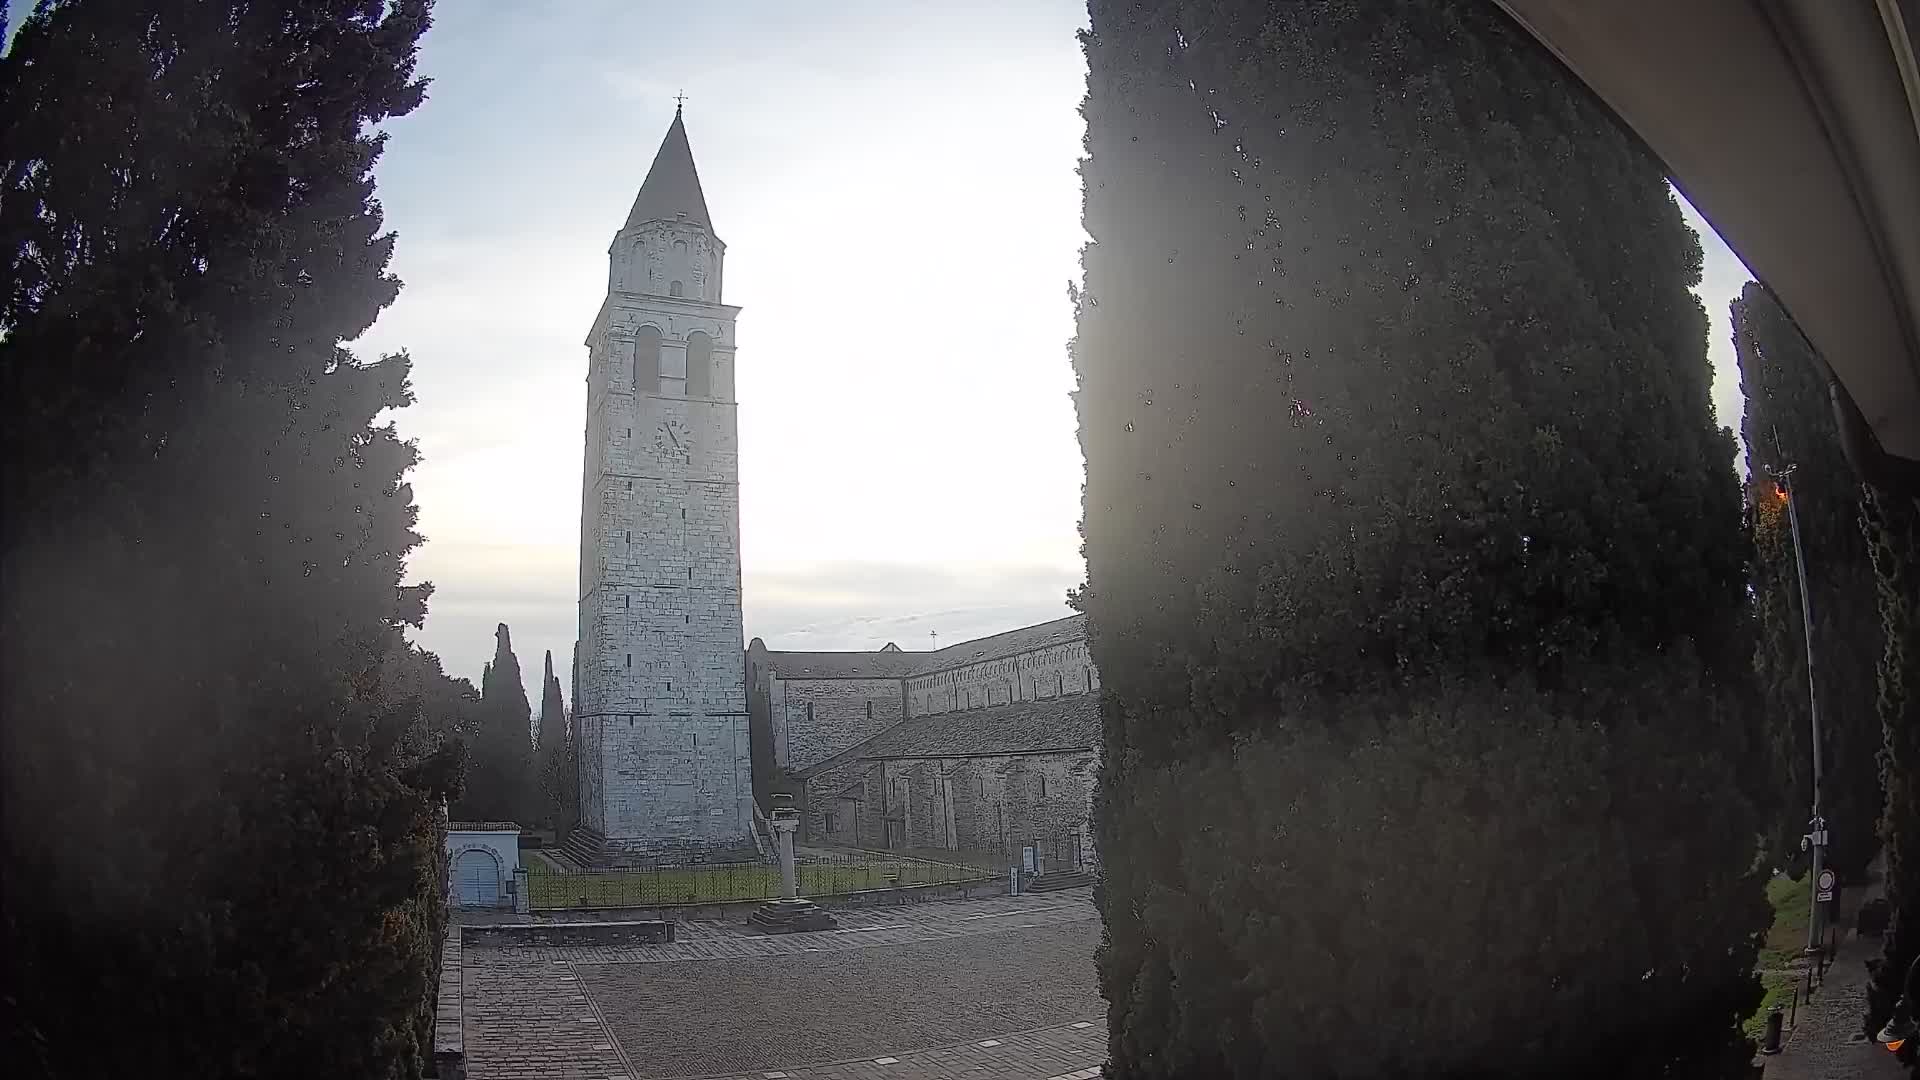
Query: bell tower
column 661, row 706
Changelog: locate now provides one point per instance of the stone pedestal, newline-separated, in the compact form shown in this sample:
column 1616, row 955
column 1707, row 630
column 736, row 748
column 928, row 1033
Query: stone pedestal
column 790, row 915
column 791, row 912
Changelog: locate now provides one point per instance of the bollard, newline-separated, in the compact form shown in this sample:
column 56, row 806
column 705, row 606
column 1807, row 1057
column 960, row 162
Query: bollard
column 1770, row 1043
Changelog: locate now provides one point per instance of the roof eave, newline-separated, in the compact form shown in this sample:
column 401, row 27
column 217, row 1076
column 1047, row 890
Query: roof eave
column 1794, row 127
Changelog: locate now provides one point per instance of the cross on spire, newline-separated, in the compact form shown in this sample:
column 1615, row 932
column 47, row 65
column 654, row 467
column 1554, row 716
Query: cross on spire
column 679, row 99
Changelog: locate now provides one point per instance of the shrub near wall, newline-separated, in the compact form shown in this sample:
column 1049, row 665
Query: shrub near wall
column 1415, row 561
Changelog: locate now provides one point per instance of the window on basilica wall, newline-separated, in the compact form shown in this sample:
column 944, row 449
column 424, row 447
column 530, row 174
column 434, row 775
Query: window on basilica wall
column 676, row 289
column 646, row 357
column 699, row 365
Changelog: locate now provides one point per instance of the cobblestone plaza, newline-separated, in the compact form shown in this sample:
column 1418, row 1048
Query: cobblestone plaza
column 1000, row 987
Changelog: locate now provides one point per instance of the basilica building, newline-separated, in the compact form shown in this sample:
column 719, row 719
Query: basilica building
column 988, row 746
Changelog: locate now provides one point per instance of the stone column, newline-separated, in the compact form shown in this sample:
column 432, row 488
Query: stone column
column 789, row 913
column 785, row 822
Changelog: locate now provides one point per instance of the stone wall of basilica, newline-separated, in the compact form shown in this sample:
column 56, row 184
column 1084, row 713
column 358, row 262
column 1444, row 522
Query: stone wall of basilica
column 1034, row 675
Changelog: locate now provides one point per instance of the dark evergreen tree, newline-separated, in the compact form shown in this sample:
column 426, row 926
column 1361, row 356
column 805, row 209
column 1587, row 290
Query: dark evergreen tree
column 1415, row 561
column 569, row 782
column 500, row 773
column 1789, row 421
column 551, row 756
column 449, row 706
column 222, row 824
column 1893, row 529
column 570, row 775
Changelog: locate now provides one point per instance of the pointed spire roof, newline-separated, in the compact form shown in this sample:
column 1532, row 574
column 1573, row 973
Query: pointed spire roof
column 672, row 186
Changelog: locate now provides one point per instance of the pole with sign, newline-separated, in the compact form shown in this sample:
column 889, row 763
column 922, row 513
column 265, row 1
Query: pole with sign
column 1815, row 842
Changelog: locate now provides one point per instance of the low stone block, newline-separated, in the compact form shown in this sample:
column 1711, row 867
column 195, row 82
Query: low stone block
column 632, row 932
column 790, row 917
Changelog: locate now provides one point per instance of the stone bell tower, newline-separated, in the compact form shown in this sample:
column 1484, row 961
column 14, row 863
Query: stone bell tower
column 661, row 710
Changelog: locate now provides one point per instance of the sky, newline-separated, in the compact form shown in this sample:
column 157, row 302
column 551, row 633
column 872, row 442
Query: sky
column 896, row 184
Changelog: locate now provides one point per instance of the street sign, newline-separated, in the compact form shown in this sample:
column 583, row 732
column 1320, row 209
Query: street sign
column 1823, row 886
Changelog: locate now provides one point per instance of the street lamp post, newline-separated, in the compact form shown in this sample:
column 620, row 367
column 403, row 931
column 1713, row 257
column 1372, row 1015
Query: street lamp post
column 1816, row 839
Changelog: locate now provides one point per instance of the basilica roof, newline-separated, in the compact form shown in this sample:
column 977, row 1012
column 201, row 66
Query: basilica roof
column 893, row 663
column 844, row 665
column 1071, row 722
column 1000, row 646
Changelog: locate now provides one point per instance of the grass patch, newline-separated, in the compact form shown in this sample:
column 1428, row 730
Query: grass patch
column 1791, row 900
column 548, row 889
column 1778, row 986
column 1780, row 950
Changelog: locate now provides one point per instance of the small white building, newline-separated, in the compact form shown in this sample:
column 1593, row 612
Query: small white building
column 481, row 859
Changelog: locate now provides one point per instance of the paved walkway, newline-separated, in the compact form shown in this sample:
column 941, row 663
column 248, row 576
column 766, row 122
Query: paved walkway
column 533, row 1021
column 1068, row 1052
column 859, row 928
column 1826, row 1042
column 779, row 1012
column 990, row 987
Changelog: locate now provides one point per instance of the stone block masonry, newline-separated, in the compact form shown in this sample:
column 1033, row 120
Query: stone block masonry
column 997, row 803
column 990, row 745
column 677, row 788
column 1055, row 665
column 660, row 691
column 449, row 1034
column 814, row 719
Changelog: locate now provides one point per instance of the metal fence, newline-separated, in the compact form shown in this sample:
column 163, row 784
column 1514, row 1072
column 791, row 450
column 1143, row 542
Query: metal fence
column 549, row 889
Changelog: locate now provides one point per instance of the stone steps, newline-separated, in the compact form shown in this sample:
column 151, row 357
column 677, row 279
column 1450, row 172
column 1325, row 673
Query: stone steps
column 584, row 847
column 1054, row 880
column 790, row 916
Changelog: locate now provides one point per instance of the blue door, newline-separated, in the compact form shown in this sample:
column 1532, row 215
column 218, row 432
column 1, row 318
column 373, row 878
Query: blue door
column 477, row 880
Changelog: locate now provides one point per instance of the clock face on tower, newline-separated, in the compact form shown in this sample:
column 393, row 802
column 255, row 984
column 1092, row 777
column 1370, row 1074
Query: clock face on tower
column 672, row 439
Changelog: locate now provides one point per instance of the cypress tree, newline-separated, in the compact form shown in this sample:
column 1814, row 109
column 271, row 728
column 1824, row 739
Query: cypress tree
column 1893, row 531
column 500, row 773
column 1788, row 421
column 222, row 823
column 552, row 752
column 1415, row 561
column 570, row 779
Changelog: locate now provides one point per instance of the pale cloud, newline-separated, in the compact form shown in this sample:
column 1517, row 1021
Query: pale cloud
column 867, row 605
